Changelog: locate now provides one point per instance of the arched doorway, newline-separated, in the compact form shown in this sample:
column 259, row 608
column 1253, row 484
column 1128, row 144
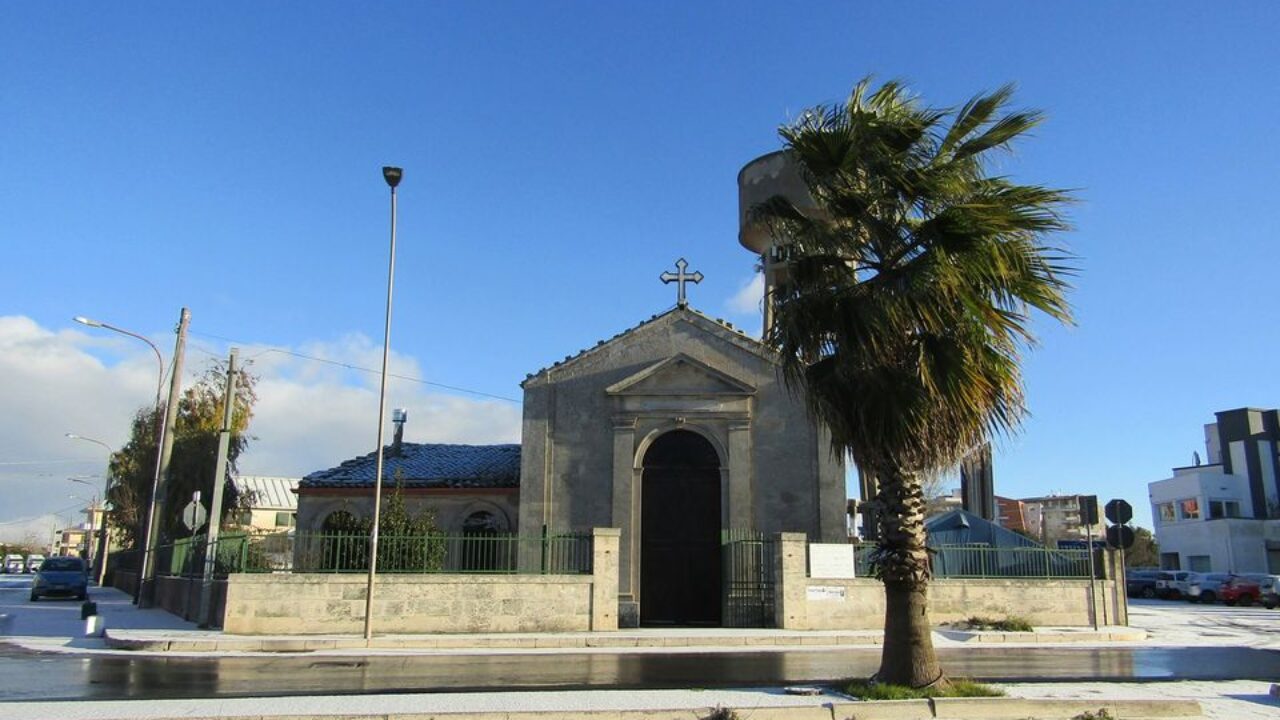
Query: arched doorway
column 680, row 532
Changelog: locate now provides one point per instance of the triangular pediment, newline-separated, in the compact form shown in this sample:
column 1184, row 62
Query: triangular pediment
column 681, row 375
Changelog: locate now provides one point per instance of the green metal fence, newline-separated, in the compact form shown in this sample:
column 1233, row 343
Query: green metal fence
column 985, row 561
column 747, row 568
column 481, row 553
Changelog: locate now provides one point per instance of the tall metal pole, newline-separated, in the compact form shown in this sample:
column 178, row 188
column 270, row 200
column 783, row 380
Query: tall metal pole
column 145, row 596
column 104, row 541
column 392, row 175
column 215, row 503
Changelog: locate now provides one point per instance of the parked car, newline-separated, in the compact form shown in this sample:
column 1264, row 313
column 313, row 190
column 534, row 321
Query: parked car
column 33, row 562
column 13, row 563
column 64, row 576
column 1140, row 583
column 1206, row 587
column 1172, row 584
column 1271, row 594
column 1240, row 590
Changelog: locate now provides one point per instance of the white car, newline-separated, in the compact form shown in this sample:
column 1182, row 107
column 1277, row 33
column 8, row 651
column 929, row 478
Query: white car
column 13, row 563
column 33, row 562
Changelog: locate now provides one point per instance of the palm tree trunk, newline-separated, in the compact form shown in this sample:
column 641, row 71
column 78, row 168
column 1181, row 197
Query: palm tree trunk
column 908, row 657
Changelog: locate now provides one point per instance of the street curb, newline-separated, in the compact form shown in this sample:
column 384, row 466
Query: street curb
column 175, row 642
column 937, row 709
column 216, row 642
column 1044, row 638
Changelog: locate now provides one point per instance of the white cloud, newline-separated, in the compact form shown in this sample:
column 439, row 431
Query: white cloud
column 310, row 415
column 749, row 297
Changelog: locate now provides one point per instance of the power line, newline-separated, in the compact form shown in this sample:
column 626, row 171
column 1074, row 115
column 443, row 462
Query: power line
column 44, row 462
column 349, row 366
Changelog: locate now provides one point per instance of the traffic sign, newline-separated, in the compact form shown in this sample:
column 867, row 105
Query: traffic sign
column 1119, row 512
column 1120, row 536
column 1088, row 509
column 194, row 514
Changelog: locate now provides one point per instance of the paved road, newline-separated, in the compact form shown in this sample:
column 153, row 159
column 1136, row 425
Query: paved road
column 59, row 676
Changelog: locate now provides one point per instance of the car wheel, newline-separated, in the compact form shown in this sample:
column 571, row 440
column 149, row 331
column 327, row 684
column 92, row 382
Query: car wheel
column 1269, row 604
column 1208, row 597
column 1148, row 593
column 34, row 597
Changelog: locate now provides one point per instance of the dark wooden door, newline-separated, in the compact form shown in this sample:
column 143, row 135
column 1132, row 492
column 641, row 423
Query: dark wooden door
column 680, row 532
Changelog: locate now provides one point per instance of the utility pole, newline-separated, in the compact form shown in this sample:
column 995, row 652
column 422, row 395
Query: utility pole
column 215, row 504
column 146, row 581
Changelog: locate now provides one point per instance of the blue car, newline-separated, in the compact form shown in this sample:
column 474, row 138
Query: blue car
column 61, row 576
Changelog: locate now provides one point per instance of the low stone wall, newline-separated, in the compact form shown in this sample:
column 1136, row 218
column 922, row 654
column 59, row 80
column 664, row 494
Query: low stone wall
column 806, row 603
column 315, row 603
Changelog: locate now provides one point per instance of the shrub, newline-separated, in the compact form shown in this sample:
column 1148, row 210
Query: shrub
column 1013, row 623
column 958, row 687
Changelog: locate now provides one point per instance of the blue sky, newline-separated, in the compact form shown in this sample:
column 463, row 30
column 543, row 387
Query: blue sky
column 560, row 155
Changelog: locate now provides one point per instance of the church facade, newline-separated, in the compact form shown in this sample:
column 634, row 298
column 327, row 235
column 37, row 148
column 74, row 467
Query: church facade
column 675, row 432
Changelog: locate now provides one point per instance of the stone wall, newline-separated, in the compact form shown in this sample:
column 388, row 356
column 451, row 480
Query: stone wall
column 806, row 603
column 315, row 603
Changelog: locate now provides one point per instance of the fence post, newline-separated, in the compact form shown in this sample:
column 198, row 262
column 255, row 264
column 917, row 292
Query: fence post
column 790, row 585
column 604, row 578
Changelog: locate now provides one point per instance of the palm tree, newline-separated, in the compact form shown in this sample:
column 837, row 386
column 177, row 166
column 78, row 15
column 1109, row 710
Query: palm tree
column 905, row 304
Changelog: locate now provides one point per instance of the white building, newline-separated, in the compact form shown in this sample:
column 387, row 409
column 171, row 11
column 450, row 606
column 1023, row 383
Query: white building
column 1223, row 516
column 273, row 506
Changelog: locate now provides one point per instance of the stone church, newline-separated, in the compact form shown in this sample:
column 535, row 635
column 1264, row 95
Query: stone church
column 674, row 431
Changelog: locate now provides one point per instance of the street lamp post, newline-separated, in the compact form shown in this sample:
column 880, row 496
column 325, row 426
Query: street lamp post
column 162, row 434
column 93, row 505
column 104, row 542
column 392, row 176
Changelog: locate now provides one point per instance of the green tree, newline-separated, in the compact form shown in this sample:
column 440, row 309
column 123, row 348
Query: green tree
column 906, row 304
column 1145, row 552
column 407, row 543
column 191, row 466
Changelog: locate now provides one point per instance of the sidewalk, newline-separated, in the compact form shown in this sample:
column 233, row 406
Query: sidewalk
column 57, row 627
column 53, row 627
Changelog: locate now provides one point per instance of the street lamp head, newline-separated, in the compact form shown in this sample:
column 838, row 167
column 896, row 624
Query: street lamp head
column 392, row 175
column 86, row 321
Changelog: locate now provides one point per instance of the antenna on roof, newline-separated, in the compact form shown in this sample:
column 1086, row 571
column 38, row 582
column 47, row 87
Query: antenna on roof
column 1195, row 456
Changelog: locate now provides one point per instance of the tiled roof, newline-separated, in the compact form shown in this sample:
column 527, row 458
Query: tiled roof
column 428, row 465
column 688, row 310
column 275, row 493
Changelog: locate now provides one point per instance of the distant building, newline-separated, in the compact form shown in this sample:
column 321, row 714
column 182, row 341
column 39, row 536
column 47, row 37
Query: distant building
column 1011, row 514
column 1055, row 518
column 944, row 503
column 273, row 504
column 1224, row 515
column 70, row 541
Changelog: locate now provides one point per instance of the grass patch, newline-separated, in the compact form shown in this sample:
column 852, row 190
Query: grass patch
column 1013, row 623
column 956, row 688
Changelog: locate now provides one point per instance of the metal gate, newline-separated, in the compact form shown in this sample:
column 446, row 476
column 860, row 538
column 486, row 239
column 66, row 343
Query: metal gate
column 748, row 564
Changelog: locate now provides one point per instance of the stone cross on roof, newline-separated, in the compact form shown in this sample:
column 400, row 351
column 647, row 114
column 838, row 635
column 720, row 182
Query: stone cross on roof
column 680, row 277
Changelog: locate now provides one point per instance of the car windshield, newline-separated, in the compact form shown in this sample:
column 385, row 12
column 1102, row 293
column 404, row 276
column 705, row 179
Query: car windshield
column 62, row 564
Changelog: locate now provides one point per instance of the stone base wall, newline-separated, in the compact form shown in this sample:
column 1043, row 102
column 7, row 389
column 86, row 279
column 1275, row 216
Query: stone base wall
column 316, row 603
column 806, row 603
column 1040, row 602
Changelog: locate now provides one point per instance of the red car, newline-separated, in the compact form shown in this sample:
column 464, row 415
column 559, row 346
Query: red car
column 1240, row 590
